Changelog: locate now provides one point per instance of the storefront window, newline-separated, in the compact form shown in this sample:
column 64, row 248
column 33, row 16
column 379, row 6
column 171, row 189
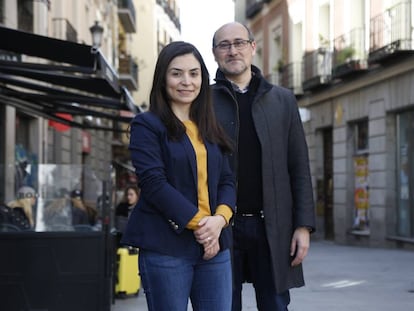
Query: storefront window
column 405, row 174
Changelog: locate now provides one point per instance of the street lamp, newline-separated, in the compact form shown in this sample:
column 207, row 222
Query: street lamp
column 97, row 32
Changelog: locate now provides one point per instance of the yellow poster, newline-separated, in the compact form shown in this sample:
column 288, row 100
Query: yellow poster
column 361, row 193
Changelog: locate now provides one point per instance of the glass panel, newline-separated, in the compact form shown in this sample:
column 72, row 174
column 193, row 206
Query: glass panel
column 405, row 176
column 59, row 198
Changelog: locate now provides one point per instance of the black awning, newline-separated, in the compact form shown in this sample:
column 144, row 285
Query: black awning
column 80, row 81
column 75, row 79
column 60, row 51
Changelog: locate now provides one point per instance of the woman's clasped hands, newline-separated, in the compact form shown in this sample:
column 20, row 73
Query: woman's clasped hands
column 208, row 234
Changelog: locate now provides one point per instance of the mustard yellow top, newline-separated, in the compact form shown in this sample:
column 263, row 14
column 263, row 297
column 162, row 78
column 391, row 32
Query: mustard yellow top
column 202, row 185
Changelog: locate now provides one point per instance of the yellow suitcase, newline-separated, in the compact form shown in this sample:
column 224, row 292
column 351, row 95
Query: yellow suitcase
column 128, row 279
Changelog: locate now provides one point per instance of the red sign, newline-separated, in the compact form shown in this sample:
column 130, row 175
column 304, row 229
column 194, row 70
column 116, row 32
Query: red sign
column 86, row 142
column 60, row 127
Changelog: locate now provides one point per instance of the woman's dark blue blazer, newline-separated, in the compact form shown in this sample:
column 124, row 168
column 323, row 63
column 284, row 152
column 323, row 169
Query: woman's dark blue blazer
column 167, row 173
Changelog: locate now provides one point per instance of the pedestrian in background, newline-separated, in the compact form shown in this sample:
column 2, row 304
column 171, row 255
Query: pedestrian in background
column 125, row 207
column 23, row 204
column 187, row 189
column 275, row 208
column 80, row 214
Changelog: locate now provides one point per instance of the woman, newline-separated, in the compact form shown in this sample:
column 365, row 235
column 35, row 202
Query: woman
column 23, row 206
column 187, row 189
column 124, row 208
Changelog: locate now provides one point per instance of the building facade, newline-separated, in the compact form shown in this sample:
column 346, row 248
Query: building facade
column 157, row 25
column 53, row 111
column 351, row 66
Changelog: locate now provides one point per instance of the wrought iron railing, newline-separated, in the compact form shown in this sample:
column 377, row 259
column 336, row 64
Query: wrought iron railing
column 292, row 77
column 170, row 12
column 349, row 47
column 25, row 16
column 64, row 30
column 317, row 63
column 273, row 78
column 127, row 66
column 393, row 27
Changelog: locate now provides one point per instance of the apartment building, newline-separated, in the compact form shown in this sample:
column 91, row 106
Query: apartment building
column 351, row 66
column 61, row 94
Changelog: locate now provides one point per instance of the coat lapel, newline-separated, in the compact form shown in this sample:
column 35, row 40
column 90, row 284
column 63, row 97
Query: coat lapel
column 189, row 150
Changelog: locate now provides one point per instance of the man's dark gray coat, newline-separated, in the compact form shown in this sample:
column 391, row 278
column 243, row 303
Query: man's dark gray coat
column 287, row 189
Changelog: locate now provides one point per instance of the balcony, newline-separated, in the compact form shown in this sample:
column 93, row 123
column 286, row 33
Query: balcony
column 291, row 78
column 25, row 16
column 391, row 34
column 317, row 67
column 253, row 7
column 128, row 72
column 1, row 14
column 63, row 29
column 126, row 14
column 170, row 12
column 349, row 56
column 273, row 78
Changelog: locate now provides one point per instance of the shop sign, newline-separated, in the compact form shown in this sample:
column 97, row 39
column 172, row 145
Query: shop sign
column 10, row 56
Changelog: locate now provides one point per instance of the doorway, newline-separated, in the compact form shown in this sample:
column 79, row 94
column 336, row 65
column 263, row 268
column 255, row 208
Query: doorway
column 328, row 184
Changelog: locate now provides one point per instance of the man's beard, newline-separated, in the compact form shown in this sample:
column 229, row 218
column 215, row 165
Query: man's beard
column 234, row 71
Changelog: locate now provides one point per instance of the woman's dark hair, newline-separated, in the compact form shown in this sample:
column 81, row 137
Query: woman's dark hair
column 201, row 111
column 130, row 187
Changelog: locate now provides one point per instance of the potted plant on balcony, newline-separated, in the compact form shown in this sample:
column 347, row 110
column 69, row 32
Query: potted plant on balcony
column 345, row 55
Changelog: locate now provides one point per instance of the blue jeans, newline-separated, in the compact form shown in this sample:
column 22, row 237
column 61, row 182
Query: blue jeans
column 169, row 281
column 251, row 263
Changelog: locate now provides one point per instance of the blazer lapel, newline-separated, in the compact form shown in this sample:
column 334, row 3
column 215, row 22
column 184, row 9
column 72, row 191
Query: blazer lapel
column 189, row 150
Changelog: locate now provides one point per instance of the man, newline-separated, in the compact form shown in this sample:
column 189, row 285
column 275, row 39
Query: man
column 275, row 209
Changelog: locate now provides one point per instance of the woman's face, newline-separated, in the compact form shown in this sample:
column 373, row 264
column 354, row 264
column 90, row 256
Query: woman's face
column 183, row 80
column 132, row 197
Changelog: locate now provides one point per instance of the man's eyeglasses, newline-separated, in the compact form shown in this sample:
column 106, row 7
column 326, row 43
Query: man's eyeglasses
column 238, row 45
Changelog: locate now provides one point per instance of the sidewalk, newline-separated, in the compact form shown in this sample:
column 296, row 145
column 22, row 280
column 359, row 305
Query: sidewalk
column 339, row 278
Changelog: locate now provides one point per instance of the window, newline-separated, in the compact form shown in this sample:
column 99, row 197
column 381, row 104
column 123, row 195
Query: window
column 25, row 15
column 360, row 136
column 1, row 11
